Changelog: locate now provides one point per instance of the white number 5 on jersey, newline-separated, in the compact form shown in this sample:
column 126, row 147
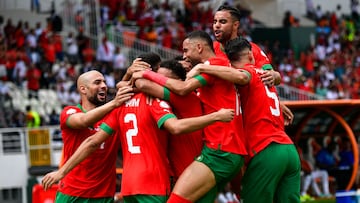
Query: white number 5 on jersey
column 274, row 111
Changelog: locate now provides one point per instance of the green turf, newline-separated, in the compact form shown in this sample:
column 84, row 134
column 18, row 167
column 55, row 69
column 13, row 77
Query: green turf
column 321, row 201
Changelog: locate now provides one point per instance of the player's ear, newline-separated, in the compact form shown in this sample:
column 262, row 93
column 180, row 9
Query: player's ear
column 199, row 47
column 82, row 88
column 250, row 55
column 236, row 25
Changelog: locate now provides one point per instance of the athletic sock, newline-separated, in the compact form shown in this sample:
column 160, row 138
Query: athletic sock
column 174, row 198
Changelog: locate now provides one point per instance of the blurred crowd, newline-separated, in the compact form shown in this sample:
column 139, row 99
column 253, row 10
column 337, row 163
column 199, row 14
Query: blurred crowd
column 331, row 56
column 44, row 57
column 329, row 67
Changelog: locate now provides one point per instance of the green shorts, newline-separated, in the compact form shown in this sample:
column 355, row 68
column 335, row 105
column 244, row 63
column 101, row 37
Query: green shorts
column 273, row 175
column 224, row 165
column 145, row 199
column 62, row 198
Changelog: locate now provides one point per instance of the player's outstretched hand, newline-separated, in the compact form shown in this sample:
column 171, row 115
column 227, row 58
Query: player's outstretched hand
column 50, row 179
column 225, row 115
column 288, row 115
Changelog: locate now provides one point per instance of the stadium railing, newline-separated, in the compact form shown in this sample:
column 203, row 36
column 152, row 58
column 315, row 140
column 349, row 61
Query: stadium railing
column 288, row 93
column 26, row 153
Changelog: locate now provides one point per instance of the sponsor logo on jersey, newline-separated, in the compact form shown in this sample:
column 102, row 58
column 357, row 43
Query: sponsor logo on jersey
column 164, row 104
column 70, row 111
column 200, row 158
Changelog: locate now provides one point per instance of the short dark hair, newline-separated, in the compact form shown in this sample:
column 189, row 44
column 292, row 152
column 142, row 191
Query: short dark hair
column 175, row 67
column 151, row 58
column 200, row 34
column 234, row 12
column 235, row 46
column 179, row 58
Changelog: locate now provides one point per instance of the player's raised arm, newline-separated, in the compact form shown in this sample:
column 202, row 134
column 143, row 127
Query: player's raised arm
column 87, row 147
column 180, row 126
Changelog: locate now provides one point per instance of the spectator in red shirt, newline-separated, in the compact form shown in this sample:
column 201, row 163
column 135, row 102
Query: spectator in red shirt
column 33, row 76
column 50, row 51
column 10, row 56
column 307, row 60
column 167, row 38
column 2, row 66
column 43, row 39
column 58, row 47
column 130, row 15
column 19, row 35
column 88, row 54
column 140, row 8
column 141, row 34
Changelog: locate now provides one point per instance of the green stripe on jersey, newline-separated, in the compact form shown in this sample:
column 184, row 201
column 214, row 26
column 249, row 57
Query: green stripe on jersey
column 166, row 94
column 246, row 72
column 201, row 79
column 267, row 67
column 164, row 118
column 106, row 128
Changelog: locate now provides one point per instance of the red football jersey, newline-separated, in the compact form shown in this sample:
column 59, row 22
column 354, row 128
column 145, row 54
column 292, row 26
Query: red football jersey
column 183, row 149
column 138, row 123
column 216, row 94
column 262, row 115
column 94, row 177
column 261, row 60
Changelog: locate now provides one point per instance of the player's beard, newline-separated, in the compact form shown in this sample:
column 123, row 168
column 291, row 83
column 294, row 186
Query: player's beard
column 224, row 37
column 95, row 100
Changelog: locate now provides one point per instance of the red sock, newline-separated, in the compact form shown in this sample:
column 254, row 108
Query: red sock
column 174, row 198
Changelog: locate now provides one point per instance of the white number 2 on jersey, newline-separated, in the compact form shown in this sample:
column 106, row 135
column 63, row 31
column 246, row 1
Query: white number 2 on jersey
column 274, row 111
column 131, row 133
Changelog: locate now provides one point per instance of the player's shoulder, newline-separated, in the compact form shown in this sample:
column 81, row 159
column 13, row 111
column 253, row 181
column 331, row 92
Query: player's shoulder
column 216, row 44
column 254, row 45
column 160, row 102
column 68, row 110
column 219, row 61
column 148, row 100
column 249, row 67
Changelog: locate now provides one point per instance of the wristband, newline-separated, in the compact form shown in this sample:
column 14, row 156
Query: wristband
column 155, row 77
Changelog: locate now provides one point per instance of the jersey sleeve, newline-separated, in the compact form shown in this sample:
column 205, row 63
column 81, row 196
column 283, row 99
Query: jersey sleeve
column 167, row 94
column 161, row 111
column 66, row 113
column 249, row 71
column 219, row 52
column 110, row 123
column 204, row 79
